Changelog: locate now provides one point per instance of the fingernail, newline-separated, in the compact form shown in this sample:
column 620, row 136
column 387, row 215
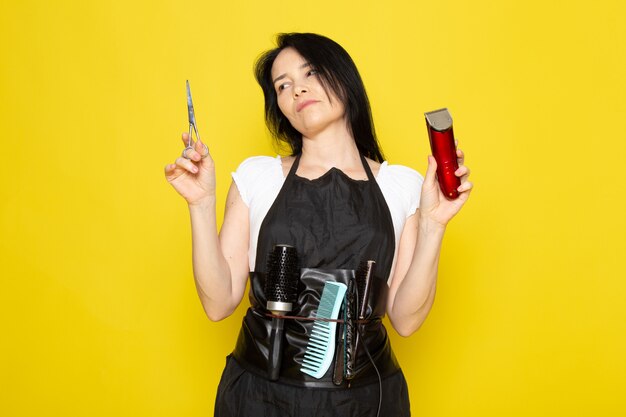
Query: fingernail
column 195, row 170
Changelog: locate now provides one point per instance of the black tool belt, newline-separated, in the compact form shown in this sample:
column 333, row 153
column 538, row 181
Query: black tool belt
column 252, row 347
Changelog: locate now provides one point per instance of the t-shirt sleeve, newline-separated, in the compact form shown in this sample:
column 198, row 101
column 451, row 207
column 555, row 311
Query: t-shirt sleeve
column 252, row 175
column 414, row 181
column 259, row 180
column 404, row 185
column 401, row 186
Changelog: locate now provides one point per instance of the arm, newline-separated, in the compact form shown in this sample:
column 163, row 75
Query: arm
column 220, row 264
column 412, row 289
column 413, row 285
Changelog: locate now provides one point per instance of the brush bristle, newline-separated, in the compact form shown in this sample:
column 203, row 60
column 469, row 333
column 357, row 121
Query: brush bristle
column 281, row 282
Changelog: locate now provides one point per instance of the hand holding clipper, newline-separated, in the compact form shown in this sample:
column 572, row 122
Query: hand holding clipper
column 441, row 136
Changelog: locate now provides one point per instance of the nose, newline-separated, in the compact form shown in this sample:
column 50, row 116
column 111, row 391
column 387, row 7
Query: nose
column 299, row 89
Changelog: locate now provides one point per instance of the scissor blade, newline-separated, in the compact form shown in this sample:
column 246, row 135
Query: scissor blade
column 192, row 116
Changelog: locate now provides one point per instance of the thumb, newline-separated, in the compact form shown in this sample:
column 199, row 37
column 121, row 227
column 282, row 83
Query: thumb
column 429, row 179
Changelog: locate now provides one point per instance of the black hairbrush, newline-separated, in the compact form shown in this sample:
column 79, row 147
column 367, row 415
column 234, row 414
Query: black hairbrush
column 281, row 291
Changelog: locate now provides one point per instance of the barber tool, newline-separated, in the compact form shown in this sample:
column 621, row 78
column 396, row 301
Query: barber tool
column 281, row 291
column 363, row 279
column 321, row 346
column 346, row 332
column 193, row 127
column 439, row 124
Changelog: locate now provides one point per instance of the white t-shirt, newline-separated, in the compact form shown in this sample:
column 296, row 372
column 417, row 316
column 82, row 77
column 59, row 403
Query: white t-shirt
column 260, row 178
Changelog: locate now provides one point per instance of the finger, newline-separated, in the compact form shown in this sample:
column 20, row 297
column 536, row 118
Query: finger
column 186, row 138
column 186, row 164
column 460, row 157
column 172, row 171
column 192, row 154
column 202, row 149
column 429, row 179
column 199, row 146
column 169, row 168
column 462, row 171
column 461, row 200
column 465, row 186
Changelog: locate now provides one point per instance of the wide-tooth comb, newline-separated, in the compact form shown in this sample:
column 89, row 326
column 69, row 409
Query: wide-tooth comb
column 345, row 338
column 321, row 346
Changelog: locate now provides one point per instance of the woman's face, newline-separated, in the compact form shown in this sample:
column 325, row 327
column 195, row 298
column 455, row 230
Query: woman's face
column 301, row 97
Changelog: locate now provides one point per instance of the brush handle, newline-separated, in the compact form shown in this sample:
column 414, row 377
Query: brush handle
column 339, row 369
column 276, row 349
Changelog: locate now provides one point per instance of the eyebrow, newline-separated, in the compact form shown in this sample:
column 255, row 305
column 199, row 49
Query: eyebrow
column 280, row 77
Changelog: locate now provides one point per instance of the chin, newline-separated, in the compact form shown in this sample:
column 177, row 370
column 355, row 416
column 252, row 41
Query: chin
column 311, row 126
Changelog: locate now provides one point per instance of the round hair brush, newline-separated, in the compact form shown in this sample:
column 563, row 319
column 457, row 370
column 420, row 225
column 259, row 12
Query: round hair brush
column 281, row 292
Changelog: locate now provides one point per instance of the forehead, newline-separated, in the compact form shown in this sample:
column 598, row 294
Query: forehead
column 287, row 60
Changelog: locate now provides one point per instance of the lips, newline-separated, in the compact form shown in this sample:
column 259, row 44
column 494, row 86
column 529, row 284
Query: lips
column 305, row 104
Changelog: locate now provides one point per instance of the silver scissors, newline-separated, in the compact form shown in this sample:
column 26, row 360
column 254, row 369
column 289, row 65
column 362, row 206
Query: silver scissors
column 193, row 127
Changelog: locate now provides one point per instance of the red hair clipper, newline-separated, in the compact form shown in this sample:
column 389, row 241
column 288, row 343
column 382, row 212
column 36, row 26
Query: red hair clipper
column 439, row 123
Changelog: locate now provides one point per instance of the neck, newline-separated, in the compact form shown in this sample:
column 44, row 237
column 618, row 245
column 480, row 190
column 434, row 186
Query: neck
column 330, row 148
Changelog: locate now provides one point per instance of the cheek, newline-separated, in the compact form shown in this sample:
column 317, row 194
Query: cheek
column 283, row 105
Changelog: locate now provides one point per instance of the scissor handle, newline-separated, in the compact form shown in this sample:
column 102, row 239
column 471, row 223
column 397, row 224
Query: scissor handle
column 192, row 129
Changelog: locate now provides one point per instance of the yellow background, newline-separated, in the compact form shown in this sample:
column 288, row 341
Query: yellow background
column 99, row 314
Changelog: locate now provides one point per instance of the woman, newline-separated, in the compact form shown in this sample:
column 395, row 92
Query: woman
column 338, row 203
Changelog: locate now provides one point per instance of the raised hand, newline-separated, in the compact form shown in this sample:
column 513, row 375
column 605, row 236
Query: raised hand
column 434, row 206
column 193, row 178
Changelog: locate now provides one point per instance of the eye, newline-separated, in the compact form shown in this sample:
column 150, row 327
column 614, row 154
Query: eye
column 311, row 72
column 282, row 86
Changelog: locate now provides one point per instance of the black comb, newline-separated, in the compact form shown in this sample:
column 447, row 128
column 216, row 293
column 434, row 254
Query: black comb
column 363, row 279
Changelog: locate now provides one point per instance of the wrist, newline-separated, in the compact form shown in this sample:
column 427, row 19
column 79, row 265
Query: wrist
column 202, row 204
column 430, row 227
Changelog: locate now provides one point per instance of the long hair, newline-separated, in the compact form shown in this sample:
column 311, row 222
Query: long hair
column 337, row 72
